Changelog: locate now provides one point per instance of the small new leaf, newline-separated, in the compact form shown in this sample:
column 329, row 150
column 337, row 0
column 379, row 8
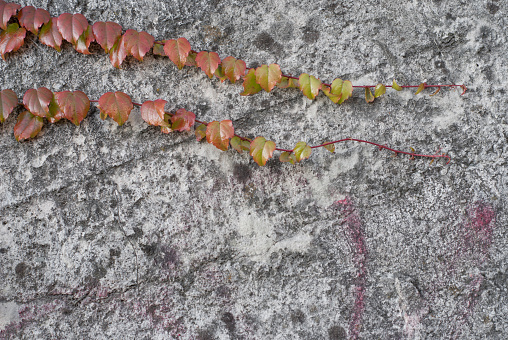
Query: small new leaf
column 137, row 43
column 330, row 147
column 7, row 10
column 74, row 105
column 152, row 112
column 379, row 90
column 286, row 157
column 286, row 82
column 183, row 120
column 309, row 85
column 117, row 105
column 369, row 98
column 420, row 88
column 32, row 18
column 261, row 150
column 28, row 126
column 37, row 101
column 200, row 132
column 106, row 34
column 208, row 62
column 219, row 73
column 233, row 68
column 239, row 144
column 267, row 76
column 177, row 50
column 250, row 86
column 8, row 101
column 158, row 49
column 50, row 36
column 219, row 133
column 396, row 86
column 11, row 39
column 72, row 26
column 302, row 151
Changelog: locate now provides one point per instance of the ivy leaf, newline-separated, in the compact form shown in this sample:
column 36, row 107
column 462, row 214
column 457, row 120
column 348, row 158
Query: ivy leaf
column 330, row 147
column 396, row 86
column 84, row 41
column 420, row 88
column 239, row 144
column 7, row 10
column 369, row 98
column 32, row 18
column 286, row 82
column 302, row 151
column 261, row 150
column 106, row 34
column 379, row 90
column 233, row 68
column 219, row 73
column 117, row 105
column 50, row 36
column 177, row 50
column 158, row 49
column 117, row 53
column 268, row 75
column 55, row 114
column 72, row 26
column 191, row 59
column 309, row 85
column 152, row 112
column 37, row 101
column 346, row 91
column 183, row 120
column 208, row 62
column 8, row 101
column 28, row 126
column 11, row 39
column 200, row 132
column 286, row 157
column 137, row 43
column 219, row 133
column 74, row 105
column 250, row 86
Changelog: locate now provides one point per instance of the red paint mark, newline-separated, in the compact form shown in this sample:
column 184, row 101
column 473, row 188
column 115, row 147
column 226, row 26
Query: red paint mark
column 478, row 231
column 354, row 228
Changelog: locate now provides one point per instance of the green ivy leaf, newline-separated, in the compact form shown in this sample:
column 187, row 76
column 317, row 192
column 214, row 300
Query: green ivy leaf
column 239, row 144
column 396, row 86
column 286, row 157
column 302, row 151
column 309, row 85
column 267, row 76
column 369, row 98
column 158, row 49
column 379, row 90
column 261, row 150
column 286, row 82
column 219, row 133
column 200, row 132
column 420, row 88
column 250, row 86
column 330, row 147
column 347, row 91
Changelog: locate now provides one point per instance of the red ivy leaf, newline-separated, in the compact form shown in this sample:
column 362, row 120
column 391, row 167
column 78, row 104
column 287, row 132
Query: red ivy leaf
column 74, row 105
column 32, row 18
column 183, row 120
column 37, row 101
column 117, row 53
column 28, row 126
column 107, row 33
column 137, row 43
column 11, row 39
column 249, row 84
column 268, row 75
column 7, row 10
column 84, row 41
column 233, row 68
column 50, row 36
column 261, row 150
column 219, row 133
column 208, row 62
column 177, row 50
column 117, row 105
column 8, row 101
column 152, row 112
column 71, row 26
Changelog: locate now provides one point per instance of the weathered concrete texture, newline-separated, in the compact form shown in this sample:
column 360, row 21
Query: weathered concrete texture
column 126, row 233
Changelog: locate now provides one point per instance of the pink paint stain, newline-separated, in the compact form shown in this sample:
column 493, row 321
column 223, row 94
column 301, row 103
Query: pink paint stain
column 354, row 228
column 478, row 231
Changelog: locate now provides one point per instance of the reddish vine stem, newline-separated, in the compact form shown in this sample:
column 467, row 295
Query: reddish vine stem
column 381, row 147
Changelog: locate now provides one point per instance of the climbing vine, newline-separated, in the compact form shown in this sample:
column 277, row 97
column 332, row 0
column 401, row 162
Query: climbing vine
column 43, row 105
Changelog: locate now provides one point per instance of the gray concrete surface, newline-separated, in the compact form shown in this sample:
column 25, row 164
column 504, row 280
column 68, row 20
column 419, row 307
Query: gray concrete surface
column 111, row 232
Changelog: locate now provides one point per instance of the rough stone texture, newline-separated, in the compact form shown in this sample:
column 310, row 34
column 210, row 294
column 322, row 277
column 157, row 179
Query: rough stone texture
column 126, row 233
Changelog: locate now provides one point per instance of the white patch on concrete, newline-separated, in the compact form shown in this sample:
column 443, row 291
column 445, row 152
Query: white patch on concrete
column 8, row 314
column 454, row 111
